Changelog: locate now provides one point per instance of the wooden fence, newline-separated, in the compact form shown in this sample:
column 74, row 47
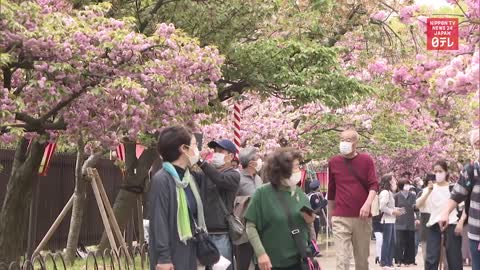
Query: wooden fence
column 54, row 191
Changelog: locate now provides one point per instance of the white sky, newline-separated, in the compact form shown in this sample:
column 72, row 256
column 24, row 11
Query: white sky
column 433, row 3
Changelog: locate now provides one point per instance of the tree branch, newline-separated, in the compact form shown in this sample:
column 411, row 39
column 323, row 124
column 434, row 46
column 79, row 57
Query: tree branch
column 463, row 11
column 26, row 118
column 229, row 91
column 7, row 78
column 343, row 30
column 387, row 5
column 20, row 88
column 158, row 5
column 63, row 104
column 414, row 40
column 395, row 33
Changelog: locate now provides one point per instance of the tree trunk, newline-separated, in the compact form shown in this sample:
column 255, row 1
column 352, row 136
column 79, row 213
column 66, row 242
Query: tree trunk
column 135, row 176
column 15, row 208
column 79, row 199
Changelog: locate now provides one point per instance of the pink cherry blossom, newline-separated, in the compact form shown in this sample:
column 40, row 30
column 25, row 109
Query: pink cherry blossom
column 407, row 13
column 380, row 15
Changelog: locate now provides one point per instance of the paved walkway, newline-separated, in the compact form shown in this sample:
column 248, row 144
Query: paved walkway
column 327, row 262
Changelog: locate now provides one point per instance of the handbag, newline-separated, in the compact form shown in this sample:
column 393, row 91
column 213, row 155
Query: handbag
column 207, row 252
column 236, row 228
column 307, row 262
column 312, row 244
column 239, row 209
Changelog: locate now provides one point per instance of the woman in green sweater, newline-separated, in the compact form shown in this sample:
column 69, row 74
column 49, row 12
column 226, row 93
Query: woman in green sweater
column 267, row 224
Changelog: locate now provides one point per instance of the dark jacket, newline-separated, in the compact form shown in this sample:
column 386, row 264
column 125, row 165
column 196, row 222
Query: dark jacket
column 226, row 183
column 405, row 222
column 164, row 243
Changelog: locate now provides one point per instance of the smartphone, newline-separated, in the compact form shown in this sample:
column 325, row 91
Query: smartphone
column 307, row 210
column 430, row 177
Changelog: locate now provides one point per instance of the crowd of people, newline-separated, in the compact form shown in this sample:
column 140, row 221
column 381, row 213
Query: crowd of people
column 194, row 203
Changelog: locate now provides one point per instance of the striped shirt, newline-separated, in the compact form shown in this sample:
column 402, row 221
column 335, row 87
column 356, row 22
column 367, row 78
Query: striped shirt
column 460, row 194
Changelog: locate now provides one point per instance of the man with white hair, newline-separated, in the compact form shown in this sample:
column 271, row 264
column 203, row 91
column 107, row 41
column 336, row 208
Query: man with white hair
column 467, row 189
column 251, row 164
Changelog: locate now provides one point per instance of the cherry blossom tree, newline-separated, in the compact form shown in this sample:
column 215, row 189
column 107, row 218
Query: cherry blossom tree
column 413, row 118
column 79, row 74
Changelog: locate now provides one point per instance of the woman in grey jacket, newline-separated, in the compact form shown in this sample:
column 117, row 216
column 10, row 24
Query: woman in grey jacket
column 405, row 225
column 388, row 185
column 175, row 202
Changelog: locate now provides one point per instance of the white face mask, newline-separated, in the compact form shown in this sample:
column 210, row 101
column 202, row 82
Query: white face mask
column 259, row 165
column 294, row 179
column 218, row 160
column 196, row 156
column 407, row 187
column 440, row 177
column 420, row 183
column 346, row 148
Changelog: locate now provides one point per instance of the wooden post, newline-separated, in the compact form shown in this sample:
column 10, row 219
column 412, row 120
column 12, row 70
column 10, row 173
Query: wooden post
column 141, row 237
column 108, row 207
column 54, row 226
column 101, row 208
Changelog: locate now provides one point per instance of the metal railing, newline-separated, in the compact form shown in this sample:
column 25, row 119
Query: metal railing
column 95, row 260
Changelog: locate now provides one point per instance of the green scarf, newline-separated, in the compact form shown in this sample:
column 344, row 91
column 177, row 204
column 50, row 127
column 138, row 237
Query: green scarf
column 183, row 216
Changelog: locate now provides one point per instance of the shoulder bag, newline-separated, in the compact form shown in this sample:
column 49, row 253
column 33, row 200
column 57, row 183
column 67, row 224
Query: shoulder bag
column 307, row 261
column 239, row 209
column 207, row 252
column 235, row 226
column 375, row 210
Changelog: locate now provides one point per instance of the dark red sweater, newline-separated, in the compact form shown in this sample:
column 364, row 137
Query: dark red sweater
column 345, row 189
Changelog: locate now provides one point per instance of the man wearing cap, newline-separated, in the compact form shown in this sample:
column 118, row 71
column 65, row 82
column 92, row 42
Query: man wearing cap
column 222, row 185
column 250, row 180
column 318, row 203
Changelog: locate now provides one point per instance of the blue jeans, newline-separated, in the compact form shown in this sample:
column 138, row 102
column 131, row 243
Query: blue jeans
column 224, row 245
column 475, row 254
column 388, row 245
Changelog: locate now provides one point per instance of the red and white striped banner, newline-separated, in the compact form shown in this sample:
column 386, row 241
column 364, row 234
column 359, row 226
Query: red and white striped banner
column 47, row 157
column 121, row 151
column 237, row 118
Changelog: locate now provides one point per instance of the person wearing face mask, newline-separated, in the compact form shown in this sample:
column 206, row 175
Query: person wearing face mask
column 268, row 228
column 388, row 185
column 352, row 187
column 222, row 185
column 405, row 224
column 175, row 198
column 251, row 164
column 250, row 181
column 436, row 197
